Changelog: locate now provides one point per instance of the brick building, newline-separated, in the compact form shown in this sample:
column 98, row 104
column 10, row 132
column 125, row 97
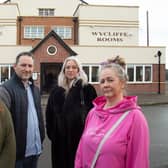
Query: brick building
column 54, row 31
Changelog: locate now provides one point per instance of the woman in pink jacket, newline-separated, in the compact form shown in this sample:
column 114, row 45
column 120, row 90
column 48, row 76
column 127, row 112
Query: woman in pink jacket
column 128, row 145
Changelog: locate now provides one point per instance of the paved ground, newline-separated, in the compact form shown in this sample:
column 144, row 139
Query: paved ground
column 150, row 99
column 157, row 117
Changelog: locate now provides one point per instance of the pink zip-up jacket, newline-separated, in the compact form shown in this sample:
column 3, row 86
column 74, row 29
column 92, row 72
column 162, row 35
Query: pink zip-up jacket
column 127, row 146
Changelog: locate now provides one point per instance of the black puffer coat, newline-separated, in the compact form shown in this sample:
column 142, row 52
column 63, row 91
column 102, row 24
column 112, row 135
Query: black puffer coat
column 64, row 122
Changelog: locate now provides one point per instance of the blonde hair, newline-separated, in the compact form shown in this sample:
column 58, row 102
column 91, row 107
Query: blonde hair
column 118, row 64
column 62, row 79
column 118, row 60
column 118, row 69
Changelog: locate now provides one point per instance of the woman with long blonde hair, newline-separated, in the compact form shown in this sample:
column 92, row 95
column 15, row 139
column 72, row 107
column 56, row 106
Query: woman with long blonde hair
column 67, row 107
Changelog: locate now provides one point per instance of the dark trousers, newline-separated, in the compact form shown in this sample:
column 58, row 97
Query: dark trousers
column 28, row 162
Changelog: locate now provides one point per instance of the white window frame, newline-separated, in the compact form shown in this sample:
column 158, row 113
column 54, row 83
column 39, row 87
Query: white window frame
column 33, row 32
column 143, row 72
column 46, row 11
column 9, row 66
column 90, row 66
column 65, row 32
column 55, row 48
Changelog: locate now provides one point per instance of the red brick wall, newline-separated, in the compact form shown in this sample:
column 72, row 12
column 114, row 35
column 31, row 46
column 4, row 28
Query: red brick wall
column 48, row 23
column 41, row 56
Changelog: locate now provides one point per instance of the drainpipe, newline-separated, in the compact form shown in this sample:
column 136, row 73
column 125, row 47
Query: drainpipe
column 75, row 20
column 19, row 29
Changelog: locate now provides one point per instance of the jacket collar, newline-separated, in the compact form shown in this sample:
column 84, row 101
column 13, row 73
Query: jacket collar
column 18, row 79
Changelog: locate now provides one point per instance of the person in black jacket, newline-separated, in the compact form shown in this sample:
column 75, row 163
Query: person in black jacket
column 23, row 100
column 67, row 107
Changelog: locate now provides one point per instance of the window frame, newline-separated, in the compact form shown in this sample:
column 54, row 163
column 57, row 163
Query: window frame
column 63, row 31
column 143, row 66
column 90, row 66
column 9, row 66
column 46, row 12
column 29, row 33
column 48, row 50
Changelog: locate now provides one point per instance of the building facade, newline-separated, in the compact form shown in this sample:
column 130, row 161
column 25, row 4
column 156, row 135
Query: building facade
column 54, row 31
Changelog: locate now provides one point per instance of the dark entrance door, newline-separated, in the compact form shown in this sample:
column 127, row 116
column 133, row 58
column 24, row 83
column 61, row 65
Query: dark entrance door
column 49, row 75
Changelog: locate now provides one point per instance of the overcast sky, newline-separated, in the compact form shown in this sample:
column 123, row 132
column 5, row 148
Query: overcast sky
column 158, row 14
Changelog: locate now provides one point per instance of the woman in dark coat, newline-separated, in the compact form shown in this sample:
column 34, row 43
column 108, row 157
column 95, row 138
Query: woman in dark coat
column 68, row 104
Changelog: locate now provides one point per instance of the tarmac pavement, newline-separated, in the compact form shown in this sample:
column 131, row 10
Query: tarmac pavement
column 152, row 99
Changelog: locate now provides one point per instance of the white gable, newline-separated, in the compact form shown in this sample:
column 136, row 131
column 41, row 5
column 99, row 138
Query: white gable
column 62, row 7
